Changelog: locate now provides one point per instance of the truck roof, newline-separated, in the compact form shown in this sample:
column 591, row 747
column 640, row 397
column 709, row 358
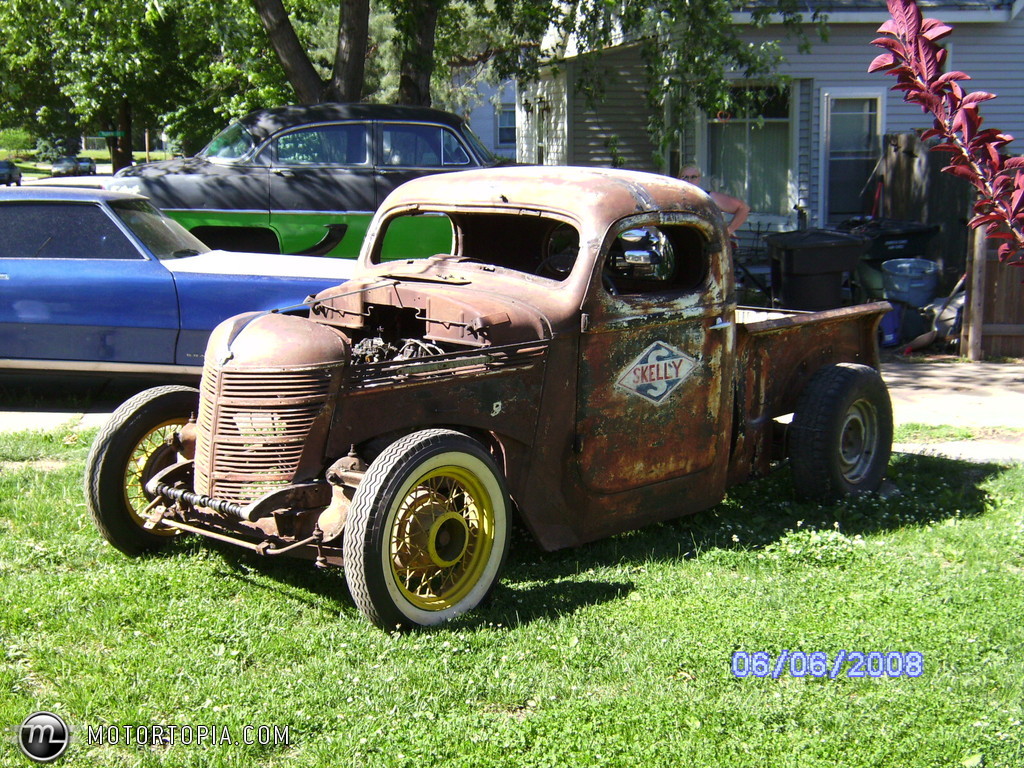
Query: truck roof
column 599, row 194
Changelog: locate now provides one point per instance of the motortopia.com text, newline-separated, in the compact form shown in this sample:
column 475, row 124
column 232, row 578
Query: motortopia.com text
column 186, row 735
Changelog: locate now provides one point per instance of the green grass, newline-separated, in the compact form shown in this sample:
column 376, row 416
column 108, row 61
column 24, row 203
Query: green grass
column 616, row 654
column 932, row 433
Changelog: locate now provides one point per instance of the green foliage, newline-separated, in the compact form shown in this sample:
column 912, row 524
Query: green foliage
column 16, row 140
column 49, row 148
column 190, row 66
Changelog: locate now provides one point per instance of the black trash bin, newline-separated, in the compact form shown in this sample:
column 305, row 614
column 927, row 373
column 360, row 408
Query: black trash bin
column 808, row 266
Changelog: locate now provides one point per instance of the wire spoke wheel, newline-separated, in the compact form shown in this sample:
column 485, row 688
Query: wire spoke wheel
column 129, row 450
column 441, row 538
column 427, row 531
column 151, row 455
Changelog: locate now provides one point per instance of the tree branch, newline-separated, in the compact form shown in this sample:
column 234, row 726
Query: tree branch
column 294, row 60
column 913, row 56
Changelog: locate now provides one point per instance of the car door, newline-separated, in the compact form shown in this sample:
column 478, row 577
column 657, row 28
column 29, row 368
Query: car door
column 651, row 403
column 324, row 172
column 75, row 287
column 409, row 150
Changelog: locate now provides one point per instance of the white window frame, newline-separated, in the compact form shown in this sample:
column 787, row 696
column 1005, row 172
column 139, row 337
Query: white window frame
column 825, row 111
column 504, row 108
column 774, row 220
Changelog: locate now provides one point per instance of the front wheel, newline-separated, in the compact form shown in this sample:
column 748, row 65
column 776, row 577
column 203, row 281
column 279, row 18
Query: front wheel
column 131, row 448
column 427, row 531
column 841, row 435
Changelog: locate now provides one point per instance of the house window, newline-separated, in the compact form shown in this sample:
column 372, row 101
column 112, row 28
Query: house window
column 749, row 155
column 507, row 124
column 852, row 150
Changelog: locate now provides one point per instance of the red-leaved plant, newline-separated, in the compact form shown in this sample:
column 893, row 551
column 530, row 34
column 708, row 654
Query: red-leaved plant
column 914, row 57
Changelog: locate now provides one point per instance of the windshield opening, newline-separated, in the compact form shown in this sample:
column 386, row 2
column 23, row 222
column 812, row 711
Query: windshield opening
column 233, row 143
column 164, row 237
column 537, row 245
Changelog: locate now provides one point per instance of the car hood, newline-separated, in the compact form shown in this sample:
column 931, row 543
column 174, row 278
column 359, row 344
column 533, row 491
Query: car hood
column 263, row 265
column 164, row 167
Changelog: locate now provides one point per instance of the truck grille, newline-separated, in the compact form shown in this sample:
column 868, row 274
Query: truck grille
column 252, row 429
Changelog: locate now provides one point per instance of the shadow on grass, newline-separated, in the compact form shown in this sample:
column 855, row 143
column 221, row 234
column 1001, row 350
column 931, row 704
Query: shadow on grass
column 923, row 490
column 919, row 490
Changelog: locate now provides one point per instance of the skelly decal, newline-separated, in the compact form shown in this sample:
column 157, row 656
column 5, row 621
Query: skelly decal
column 656, row 373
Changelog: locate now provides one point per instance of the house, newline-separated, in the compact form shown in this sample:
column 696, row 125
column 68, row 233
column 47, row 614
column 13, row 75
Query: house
column 493, row 118
column 814, row 151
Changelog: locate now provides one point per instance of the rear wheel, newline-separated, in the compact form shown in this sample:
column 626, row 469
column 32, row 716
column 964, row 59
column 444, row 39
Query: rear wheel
column 427, row 531
column 129, row 450
column 841, row 436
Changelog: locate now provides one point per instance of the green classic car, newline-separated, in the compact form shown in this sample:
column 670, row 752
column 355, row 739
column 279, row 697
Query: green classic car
column 307, row 179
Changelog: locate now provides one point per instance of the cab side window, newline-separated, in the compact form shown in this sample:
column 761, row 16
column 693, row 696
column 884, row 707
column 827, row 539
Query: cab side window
column 656, row 259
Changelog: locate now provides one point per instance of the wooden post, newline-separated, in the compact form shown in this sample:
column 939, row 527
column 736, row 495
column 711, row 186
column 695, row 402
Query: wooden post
column 976, row 296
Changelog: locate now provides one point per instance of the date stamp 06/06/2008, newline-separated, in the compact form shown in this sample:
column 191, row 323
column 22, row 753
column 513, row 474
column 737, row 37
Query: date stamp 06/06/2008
column 843, row 663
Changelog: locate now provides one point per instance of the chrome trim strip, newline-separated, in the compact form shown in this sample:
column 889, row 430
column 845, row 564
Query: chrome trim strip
column 263, row 211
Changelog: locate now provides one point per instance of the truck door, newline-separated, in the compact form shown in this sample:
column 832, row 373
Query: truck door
column 655, row 359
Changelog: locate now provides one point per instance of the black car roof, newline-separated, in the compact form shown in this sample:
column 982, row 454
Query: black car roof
column 266, row 122
column 65, row 194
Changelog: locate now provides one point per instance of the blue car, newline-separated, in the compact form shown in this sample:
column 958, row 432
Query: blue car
column 100, row 281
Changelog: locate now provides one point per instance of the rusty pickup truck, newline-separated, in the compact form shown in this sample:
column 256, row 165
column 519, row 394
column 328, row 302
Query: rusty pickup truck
column 576, row 362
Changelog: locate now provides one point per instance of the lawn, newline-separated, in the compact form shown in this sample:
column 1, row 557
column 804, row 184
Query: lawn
column 616, row 654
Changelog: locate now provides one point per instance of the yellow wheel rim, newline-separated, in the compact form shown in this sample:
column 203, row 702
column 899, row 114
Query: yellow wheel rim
column 442, row 537
column 150, row 455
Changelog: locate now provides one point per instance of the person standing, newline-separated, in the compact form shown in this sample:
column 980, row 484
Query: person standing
column 735, row 208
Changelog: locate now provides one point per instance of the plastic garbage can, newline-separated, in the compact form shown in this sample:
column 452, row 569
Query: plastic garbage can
column 910, row 281
column 808, row 266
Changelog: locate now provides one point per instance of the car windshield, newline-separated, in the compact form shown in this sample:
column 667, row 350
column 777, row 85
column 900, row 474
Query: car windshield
column 233, row 143
column 488, row 157
column 164, row 237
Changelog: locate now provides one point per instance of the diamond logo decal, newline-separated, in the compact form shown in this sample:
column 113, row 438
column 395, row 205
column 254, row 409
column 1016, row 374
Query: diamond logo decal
column 656, row 373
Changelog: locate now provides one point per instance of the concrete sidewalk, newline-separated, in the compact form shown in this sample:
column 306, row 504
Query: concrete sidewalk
column 988, row 397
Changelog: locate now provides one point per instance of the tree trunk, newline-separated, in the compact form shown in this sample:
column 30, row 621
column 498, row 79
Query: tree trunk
column 121, row 150
column 297, row 67
column 350, row 55
column 417, row 64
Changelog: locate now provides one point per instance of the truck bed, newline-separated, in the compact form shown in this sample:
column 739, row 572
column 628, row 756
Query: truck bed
column 777, row 353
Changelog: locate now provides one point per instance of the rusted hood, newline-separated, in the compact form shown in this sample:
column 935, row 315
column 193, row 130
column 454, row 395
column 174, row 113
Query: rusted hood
column 462, row 304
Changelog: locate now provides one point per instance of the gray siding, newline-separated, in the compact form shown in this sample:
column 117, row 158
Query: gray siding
column 990, row 53
column 613, row 130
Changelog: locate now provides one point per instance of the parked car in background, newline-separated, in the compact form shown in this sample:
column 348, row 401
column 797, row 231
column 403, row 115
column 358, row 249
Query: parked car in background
column 65, row 166
column 92, row 280
column 307, row 179
column 86, row 166
column 9, row 173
